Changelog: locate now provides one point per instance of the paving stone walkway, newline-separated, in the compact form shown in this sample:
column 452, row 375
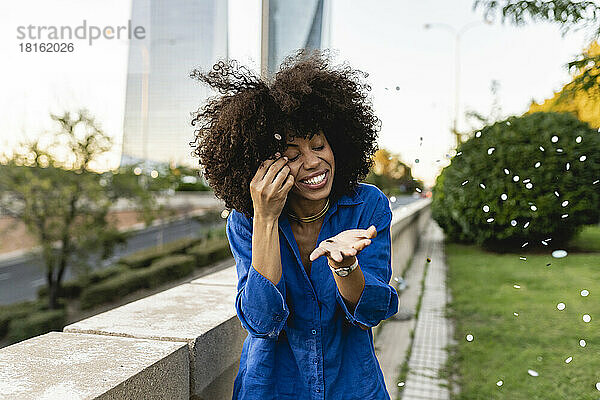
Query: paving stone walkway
column 432, row 331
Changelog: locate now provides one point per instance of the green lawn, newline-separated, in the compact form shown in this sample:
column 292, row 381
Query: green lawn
column 541, row 337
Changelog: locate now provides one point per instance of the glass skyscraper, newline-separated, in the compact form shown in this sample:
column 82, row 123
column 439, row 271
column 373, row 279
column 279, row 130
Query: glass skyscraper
column 181, row 35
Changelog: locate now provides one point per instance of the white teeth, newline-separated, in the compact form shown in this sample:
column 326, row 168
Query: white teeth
column 315, row 180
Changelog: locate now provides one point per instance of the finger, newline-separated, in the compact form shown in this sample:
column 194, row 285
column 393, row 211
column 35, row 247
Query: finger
column 318, row 252
column 373, row 232
column 274, row 169
column 337, row 255
column 350, row 252
column 281, row 177
column 288, row 184
column 361, row 244
column 262, row 169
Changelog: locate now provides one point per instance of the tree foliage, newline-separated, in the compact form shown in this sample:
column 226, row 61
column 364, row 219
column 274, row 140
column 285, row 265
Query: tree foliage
column 391, row 175
column 583, row 106
column 525, row 179
column 50, row 185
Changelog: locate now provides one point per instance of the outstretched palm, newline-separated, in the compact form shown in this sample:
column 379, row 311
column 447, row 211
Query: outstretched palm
column 341, row 249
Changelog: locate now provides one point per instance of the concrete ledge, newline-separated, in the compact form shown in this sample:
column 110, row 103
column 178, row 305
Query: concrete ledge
column 201, row 315
column 184, row 342
column 78, row 366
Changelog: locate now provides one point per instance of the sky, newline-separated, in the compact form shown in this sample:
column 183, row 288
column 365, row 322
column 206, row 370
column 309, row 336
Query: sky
column 385, row 38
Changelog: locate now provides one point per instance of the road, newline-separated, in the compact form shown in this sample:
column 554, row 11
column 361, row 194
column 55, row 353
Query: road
column 21, row 278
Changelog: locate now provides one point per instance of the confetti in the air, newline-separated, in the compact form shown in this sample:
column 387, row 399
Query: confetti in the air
column 513, row 222
column 529, row 186
column 516, row 314
column 486, row 208
column 524, row 244
column 490, row 220
column 506, row 171
column 491, row 150
column 559, row 150
column 569, row 359
column 596, row 181
column 585, row 293
column 482, row 185
column 582, row 343
column 277, row 136
column 561, row 306
column 554, row 139
column 459, row 153
column 578, row 139
column 400, row 384
column 582, row 158
column 556, row 193
column 517, row 286
column 564, row 216
column 541, row 148
column 526, row 225
column 587, row 318
column 532, row 372
column 499, row 383
column 224, row 214
column 533, row 208
column 516, row 178
column 464, row 183
column 598, row 386
column 523, row 258
column 418, row 190
column 478, row 134
column 568, row 166
column 559, row 253
column 537, row 164
column 469, row 338
column 503, row 196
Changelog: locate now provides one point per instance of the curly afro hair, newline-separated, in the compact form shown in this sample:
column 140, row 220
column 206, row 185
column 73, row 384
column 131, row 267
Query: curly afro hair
column 236, row 131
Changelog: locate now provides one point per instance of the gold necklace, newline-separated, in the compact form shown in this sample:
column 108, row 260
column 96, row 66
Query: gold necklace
column 312, row 217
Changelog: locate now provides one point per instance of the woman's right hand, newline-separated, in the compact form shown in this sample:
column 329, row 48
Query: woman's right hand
column 270, row 186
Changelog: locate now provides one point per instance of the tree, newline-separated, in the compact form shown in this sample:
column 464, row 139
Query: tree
column 584, row 107
column 51, row 186
column 390, row 174
column 570, row 15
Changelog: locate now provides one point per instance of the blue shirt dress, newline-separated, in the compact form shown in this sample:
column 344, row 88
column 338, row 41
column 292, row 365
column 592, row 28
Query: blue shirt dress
column 303, row 343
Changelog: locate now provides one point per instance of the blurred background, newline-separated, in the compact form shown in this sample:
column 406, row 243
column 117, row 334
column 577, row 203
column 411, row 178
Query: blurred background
column 97, row 180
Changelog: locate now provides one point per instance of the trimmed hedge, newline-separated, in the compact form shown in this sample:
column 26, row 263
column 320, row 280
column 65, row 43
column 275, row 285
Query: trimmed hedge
column 112, row 288
column 522, row 180
column 36, row 324
column 210, row 251
column 11, row 313
column 144, row 258
column 169, row 269
column 73, row 288
column 164, row 270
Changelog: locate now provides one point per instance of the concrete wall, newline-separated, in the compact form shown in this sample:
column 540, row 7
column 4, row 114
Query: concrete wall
column 182, row 343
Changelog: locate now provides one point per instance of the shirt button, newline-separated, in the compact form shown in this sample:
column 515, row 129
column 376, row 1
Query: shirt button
column 314, row 332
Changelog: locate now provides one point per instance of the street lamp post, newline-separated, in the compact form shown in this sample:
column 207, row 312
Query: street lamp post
column 457, row 35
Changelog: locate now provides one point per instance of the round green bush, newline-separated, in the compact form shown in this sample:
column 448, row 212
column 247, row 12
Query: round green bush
column 522, row 180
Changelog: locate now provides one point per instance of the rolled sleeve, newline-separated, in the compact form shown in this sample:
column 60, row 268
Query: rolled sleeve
column 260, row 305
column 379, row 300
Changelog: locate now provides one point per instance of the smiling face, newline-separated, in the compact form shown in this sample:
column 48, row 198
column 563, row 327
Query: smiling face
column 311, row 158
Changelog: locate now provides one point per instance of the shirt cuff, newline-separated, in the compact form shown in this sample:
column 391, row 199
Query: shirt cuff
column 377, row 302
column 261, row 307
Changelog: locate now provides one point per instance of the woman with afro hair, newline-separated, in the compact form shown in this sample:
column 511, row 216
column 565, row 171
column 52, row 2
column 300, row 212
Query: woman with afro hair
column 312, row 245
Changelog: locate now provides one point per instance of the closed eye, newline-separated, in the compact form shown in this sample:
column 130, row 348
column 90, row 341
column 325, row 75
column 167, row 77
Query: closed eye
column 316, row 148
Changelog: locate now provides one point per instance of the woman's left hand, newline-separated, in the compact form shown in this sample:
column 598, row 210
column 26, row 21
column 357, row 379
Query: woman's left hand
column 341, row 249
